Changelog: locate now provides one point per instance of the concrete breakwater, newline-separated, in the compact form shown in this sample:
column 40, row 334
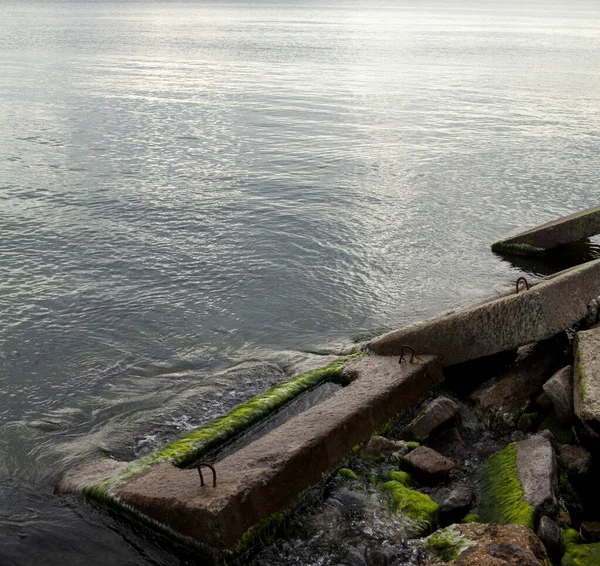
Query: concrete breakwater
column 428, row 485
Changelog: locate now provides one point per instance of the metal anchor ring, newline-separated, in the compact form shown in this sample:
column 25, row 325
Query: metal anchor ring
column 522, row 280
column 412, row 354
column 214, row 473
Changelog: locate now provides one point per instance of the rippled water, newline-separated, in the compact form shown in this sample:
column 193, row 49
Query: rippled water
column 192, row 195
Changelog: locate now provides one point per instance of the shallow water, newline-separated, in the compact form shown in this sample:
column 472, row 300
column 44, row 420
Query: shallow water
column 192, row 195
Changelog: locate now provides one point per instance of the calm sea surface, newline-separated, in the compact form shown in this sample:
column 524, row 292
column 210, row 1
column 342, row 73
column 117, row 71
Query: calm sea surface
column 195, row 195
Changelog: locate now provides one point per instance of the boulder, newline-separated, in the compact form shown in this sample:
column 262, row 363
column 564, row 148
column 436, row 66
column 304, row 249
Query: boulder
column 586, row 379
column 437, row 413
column 501, row 324
column 574, row 458
column 476, row 544
column 381, row 445
column 549, row 533
column 428, row 465
column 456, row 502
column 507, row 395
column 563, row 230
column 560, row 390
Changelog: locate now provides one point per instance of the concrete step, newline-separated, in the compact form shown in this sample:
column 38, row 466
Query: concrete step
column 552, row 234
column 268, row 474
column 501, row 324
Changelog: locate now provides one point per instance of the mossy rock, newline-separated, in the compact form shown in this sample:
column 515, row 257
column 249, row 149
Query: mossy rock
column 471, row 518
column 348, row 474
column 582, row 555
column 401, row 477
column 416, row 506
column 563, row 434
column 447, row 544
column 502, row 247
column 501, row 491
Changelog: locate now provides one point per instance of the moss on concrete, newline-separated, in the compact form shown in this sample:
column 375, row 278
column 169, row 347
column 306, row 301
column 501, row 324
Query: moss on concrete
column 190, row 447
column 401, row 477
column 502, row 247
column 447, row 544
column 501, row 491
column 582, row 555
column 416, row 506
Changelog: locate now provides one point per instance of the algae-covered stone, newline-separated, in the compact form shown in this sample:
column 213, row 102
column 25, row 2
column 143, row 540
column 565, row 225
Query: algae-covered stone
column 401, row 477
column 348, row 474
column 417, row 506
column 582, row 555
column 477, row 544
column 501, row 491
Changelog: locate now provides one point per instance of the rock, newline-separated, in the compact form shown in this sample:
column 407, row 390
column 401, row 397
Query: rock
column 501, row 324
column 437, row 413
column 542, row 401
column 582, row 555
column 591, row 318
column 454, row 504
column 381, row 445
column 428, row 465
column 417, row 506
column 507, row 395
column 449, row 443
column 549, row 533
column 560, row 390
column 476, row 544
column 586, row 379
column 563, row 230
column 536, row 466
column 590, row 531
column 574, row 458
column 353, row 557
column 518, row 482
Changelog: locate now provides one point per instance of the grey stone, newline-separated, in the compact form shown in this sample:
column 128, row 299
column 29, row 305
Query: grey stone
column 586, row 379
column 549, row 533
column 536, row 468
column 574, row 458
column 560, row 390
column 591, row 317
column 381, row 445
column 555, row 233
column 501, row 324
column 263, row 477
column 508, row 394
column 428, row 465
column 449, row 443
column 590, row 531
column 437, row 413
column 459, row 499
column 353, row 557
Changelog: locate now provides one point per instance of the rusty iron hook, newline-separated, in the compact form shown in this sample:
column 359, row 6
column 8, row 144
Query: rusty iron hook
column 412, row 354
column 522, row 280
column 214, row 473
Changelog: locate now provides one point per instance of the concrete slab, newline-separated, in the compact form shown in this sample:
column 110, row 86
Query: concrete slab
column 552, row 234
column 265, row 476
column 501, row 324
column 586, row 379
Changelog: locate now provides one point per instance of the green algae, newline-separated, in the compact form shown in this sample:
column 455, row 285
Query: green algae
column 347, row 473
column 401, row 477
column 582, row 555
column 416, row 506
column 501, row 491
column 447, row 544
column 502, row 247
column 412, row 445
column 471, row 518
column 569, row 537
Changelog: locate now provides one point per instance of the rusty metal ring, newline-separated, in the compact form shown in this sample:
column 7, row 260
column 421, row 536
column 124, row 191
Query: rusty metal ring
column 412, row 354
column 522, row 280
column 214, row 472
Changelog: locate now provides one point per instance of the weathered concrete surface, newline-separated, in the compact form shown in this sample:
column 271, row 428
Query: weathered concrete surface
column 265, row 476
column 508, row 394
column 557, row 232
column 560, row 390
column 427, row 464
column 486, row 545
column 586, row 379
column 440, row 411
column 536, row 467
column 501, row 324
